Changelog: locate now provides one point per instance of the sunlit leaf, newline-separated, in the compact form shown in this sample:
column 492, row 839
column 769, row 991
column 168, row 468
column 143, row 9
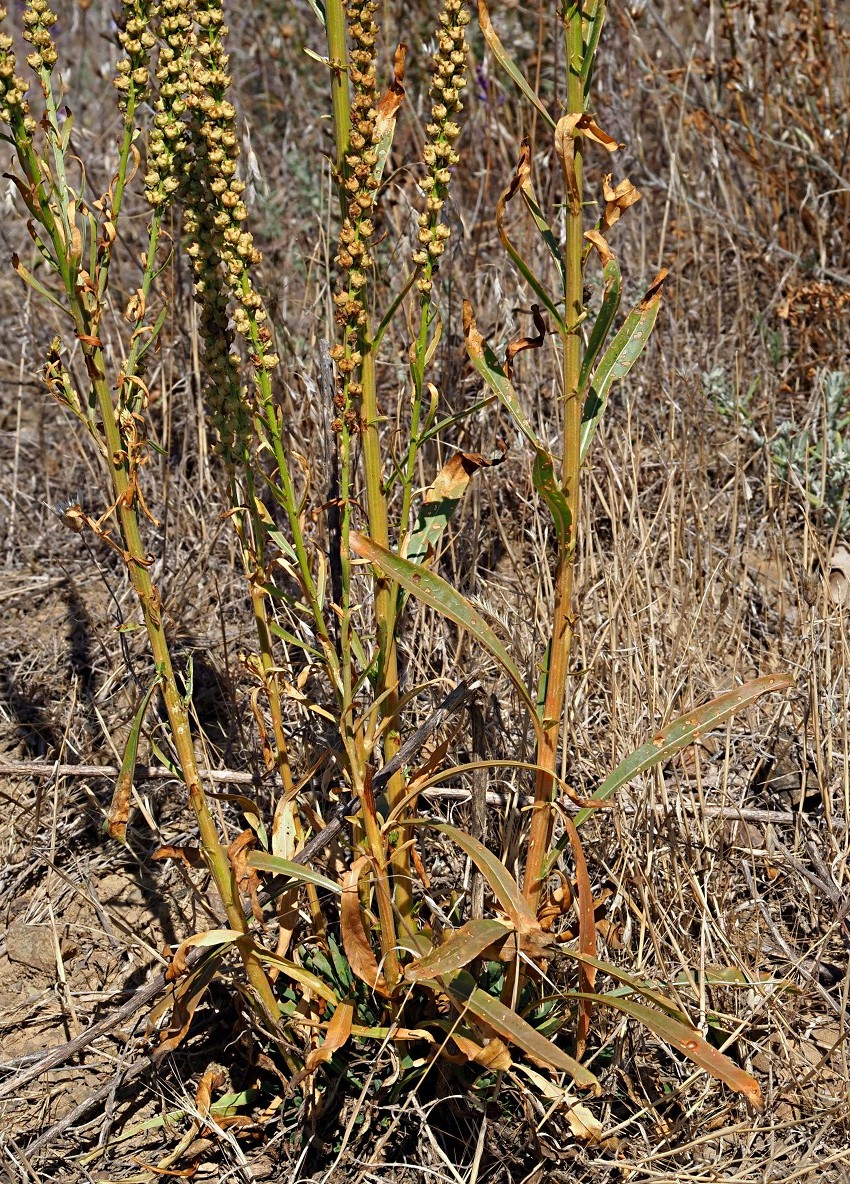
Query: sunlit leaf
column 684, row 731
column 441, row 501
column 506, row 62
column 359, row 952
column 691, row 1043
column 305, row 978
column 462, row 947
column 119, row 811
column 439, row 595
column 515, row 1029
column 619, row 358
column 612, row 289
column 338, row 1034
column 502, row 884
column 298, row 873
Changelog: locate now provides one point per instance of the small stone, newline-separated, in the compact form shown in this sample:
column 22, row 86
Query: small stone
column 32, row 945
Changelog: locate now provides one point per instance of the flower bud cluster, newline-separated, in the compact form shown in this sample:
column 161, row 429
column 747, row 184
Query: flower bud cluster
column 14, row 109
column 168, row 139
column 38, row 19
column 137, row 40
column 359, row 181
column 448, row 78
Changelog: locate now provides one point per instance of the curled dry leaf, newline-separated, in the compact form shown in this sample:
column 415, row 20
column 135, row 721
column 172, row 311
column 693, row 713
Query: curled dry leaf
column 568, row 128
column 493, row 1054
column 191, row 856
column 247, row 879
column 338, row 1033
column 582, row 1121
column 358, row 951
column 441, row 501
column 617, row 200
column 214, row 1078
column 522, row 343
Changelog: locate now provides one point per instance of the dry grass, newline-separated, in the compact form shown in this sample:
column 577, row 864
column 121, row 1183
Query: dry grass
column 701, row 568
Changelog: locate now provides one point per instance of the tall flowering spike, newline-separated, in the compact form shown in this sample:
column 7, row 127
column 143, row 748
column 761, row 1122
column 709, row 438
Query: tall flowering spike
column 137, row 40
column 38, row 19
column 359, row 182
column 168, row 139
column 448, row 78
column 14, row 109
column 220, row 246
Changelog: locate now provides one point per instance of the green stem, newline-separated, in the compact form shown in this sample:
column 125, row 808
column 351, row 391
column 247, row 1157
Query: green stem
column 562, row 629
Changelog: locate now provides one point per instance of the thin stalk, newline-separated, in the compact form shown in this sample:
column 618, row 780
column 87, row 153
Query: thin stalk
column 386, row 688
column 562, row 629
column 119, row 455
column 387, row 682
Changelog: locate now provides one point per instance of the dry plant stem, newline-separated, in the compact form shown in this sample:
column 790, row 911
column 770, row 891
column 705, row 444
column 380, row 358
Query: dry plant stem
column 562, row 630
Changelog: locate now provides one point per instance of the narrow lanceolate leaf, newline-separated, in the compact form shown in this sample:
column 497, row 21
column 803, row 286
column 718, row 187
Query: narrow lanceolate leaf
column 299, row 873
column 434, row 591
column 522, row 178
column 506, row 62
column 619, row 358
column 338, row 1034
column 487, row 365
column 613, row 285
column 387, row 111
column 305, row 978
column 691, row 1043
column 517, row 1031
column 210, row 937
column 544, row 229
column 500, row 881
column 684, row 731
column 119, row 811
column 549, row 487
column 645, row 990
column 464, row 946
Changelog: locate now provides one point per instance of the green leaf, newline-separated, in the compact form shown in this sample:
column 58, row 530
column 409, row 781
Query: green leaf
column 487, row 365
column 45, row 293
column 684, row 731
column 441, row 501
column 506, row 62
column 549, row 488
column 434, row 591
column 646, row 990
column 502, row 884
column 508, row 1024
column 119, row 811
column 458, row 950
column 613, row 286
column 298, row 974
column 689, row 1041
column 545, row 481
column 520, row 182
column 297, row 872
column 619, row 358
